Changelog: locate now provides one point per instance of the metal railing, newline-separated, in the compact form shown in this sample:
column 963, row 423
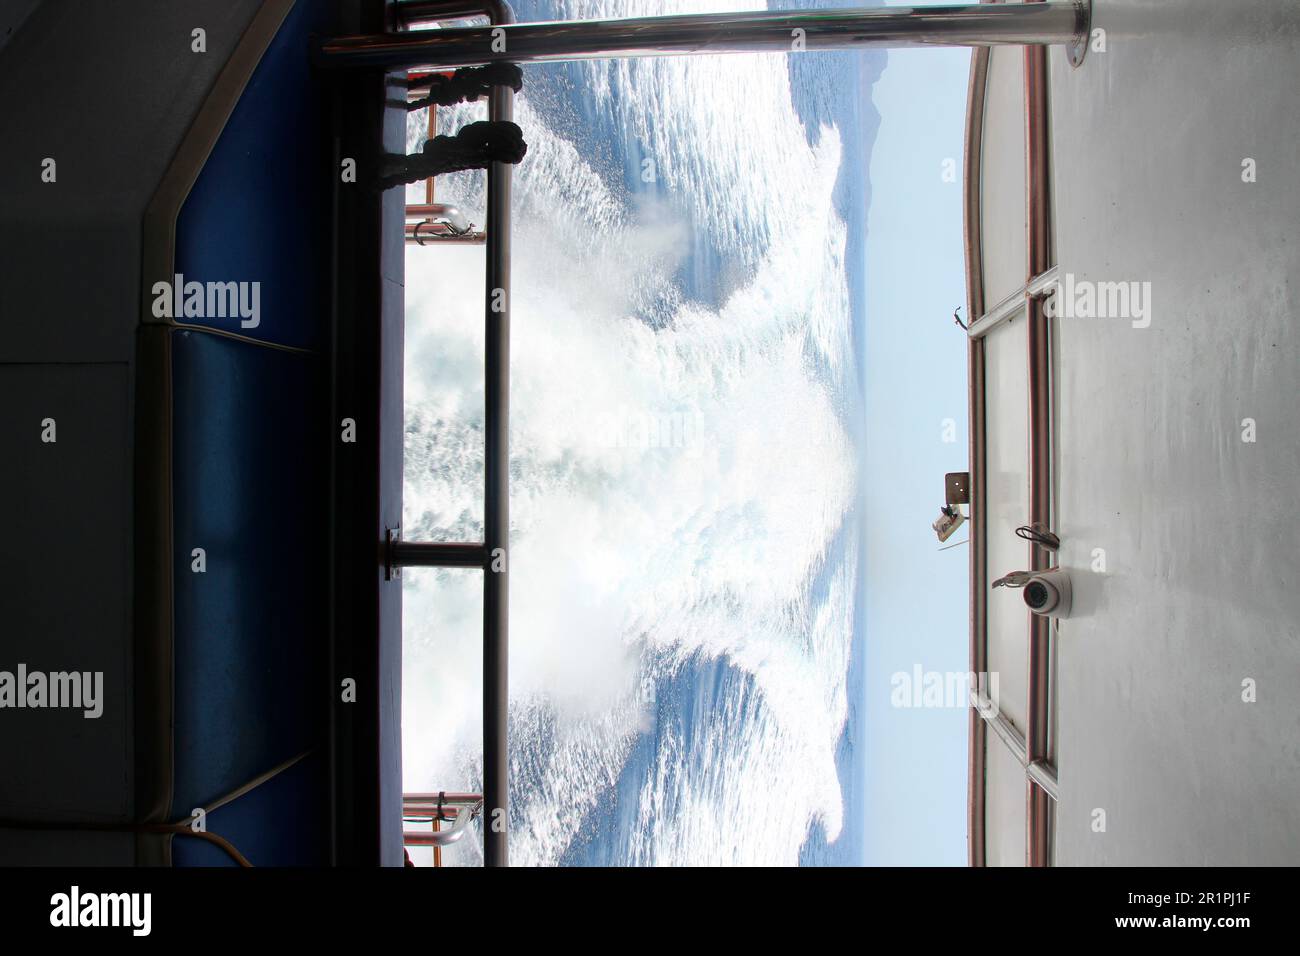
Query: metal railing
column 1040, row 771
column 969, row 24
column 1034, row 748
column 1039, row 334
column 964, row 24
column 490, row 554
column 1013, row 305
column 431, row 223
column 435, row 809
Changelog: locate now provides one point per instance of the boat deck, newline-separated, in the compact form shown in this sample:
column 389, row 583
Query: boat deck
column 1200, row 539
column 1174, row 438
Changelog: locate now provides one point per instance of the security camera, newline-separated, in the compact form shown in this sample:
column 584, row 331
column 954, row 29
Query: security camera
column 1047, row 593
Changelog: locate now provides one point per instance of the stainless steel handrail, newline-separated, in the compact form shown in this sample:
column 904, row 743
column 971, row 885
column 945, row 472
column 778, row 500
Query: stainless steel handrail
column 1040, row 771
column 978, row 643
column 967, row 24
column 1014, row 304
column 441, row 838
column 436, row 211
column 1038, row 746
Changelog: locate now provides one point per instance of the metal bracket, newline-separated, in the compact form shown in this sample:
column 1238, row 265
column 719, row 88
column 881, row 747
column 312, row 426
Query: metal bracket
column 391, row 537
column 956, row 488
column 1078, row 47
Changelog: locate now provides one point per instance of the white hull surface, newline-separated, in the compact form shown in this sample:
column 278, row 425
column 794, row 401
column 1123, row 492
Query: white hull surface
column 1174, row 441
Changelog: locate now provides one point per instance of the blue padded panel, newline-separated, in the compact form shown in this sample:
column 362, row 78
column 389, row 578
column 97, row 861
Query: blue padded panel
column 260, row 208
column 281, row 823
column 250, row 483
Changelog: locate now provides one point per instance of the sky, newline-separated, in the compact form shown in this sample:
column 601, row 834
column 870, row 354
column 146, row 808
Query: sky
column 915, row 370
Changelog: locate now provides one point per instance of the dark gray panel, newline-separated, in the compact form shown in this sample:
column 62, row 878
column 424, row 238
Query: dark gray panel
column 66, row 848
column 64, row 581
column 12, row 15
column 127, row 88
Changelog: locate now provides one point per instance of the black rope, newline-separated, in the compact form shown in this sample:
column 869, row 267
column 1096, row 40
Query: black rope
column 1039, row 535
column 466, row 85
column 474, row 146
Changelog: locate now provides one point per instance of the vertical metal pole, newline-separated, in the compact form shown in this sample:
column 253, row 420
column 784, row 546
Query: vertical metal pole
column 971, row 211
column 496, row 529
column 496, row 457
column 1040, row 463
